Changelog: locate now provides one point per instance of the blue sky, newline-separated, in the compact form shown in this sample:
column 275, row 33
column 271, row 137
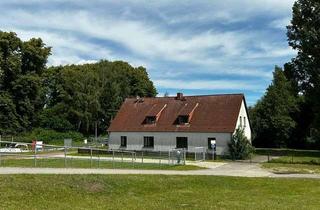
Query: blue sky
column 194, row 47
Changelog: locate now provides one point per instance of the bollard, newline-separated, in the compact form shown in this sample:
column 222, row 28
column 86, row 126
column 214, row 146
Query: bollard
column 142, row 157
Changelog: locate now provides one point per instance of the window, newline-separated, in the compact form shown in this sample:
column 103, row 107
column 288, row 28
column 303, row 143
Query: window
column 123, row 142
column 240, row 122
column 150, row 120
column 148, row 141
column 182, row 142
column 244, row 121
column 183, row 119
column 209, row 142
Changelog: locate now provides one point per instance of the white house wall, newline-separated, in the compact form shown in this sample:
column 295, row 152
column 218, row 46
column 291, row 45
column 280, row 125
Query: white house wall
column 165, row 141
column 244, row 115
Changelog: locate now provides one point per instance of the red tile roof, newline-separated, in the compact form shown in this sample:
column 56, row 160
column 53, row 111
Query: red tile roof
column 214, row 113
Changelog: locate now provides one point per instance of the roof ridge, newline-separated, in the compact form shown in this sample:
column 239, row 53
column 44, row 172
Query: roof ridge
column 222, row 94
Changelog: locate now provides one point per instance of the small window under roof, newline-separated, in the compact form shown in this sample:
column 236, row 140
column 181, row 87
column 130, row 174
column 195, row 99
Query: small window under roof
column 183, row 119
column 154, row 114
column 186, row 113
column 150, row 120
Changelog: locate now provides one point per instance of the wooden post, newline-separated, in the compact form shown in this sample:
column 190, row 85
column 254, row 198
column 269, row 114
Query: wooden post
column 90, row 157
column 35, row 155
column 65, row 156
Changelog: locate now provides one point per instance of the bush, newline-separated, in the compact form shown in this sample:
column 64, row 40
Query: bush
column 240, row 148
column 50, row 136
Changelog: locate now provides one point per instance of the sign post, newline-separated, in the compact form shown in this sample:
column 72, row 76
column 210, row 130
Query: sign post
column 214, row 148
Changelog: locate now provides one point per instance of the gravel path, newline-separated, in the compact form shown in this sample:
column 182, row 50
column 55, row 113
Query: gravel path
column 214, row 169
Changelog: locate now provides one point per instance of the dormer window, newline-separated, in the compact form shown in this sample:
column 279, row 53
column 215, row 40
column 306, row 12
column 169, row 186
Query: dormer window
column 153, row 114
column 183, row 119
column 185, row 114
column 150, row 120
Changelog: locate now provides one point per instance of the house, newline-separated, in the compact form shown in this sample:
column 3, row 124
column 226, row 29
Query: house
column 165, row 123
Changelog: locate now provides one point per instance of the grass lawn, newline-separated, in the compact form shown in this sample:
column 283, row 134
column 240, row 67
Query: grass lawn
column 80, row 163
column 289, row 164
column 155, row 192
column 297, row 160
column 292, row 168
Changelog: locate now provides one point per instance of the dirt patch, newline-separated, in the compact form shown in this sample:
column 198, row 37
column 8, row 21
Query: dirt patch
column 94, row 187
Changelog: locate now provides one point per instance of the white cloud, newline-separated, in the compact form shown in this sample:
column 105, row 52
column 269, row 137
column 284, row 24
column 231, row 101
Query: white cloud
column 280, row 23
column 172, row 38
column 207, row 85
column 146, row 40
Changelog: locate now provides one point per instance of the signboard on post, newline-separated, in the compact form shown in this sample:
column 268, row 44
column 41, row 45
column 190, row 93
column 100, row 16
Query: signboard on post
column 67, row 142
column 214, row 147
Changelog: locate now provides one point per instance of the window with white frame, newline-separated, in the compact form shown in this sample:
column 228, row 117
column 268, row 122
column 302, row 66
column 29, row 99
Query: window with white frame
column 123, row 141
column 148, row 141
column 244, row 122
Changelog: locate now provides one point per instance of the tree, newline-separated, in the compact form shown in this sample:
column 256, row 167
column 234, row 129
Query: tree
column 90, row 94
column 21, row 67
column 272, row 119
column 304, row 70
column 240, row 148
column 63, row 98
column 9, row 122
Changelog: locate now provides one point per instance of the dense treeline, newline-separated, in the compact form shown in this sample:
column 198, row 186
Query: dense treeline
column 288, row 115
column 62, row 98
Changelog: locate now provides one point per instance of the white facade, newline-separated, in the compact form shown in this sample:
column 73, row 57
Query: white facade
column 243, row 121
column 165, row 141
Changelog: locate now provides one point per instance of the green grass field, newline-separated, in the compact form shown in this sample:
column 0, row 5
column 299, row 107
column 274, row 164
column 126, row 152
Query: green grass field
column 286, row 168
column 80, row 163
column 297, row 160
column 294, row 164
column 155, row 192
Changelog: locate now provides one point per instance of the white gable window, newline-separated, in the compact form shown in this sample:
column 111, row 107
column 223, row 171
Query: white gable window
column 240, row 122
column 244, row 121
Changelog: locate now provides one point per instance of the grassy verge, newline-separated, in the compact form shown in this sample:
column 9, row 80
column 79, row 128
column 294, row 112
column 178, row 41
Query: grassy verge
column 285, row 168
column 297, row 160
column 80, row 163
column 155, row 192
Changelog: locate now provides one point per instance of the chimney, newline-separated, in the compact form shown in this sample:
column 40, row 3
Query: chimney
column 179, row 96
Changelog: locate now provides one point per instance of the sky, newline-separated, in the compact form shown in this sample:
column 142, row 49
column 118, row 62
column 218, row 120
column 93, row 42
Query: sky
column 197, row 47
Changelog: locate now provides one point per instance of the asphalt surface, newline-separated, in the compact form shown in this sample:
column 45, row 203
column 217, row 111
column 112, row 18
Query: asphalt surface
column 214, row 169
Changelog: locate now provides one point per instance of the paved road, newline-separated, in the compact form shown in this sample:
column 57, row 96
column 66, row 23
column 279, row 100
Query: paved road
column 216, row 169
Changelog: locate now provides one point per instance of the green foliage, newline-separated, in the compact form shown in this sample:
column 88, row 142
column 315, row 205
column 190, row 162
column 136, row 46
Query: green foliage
column 21, row 66
column 9, row 122
column 63, row 98
column 80, row 96
column 240, row 147
column 304, row 70
column 49, row 136
column 272, row 120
